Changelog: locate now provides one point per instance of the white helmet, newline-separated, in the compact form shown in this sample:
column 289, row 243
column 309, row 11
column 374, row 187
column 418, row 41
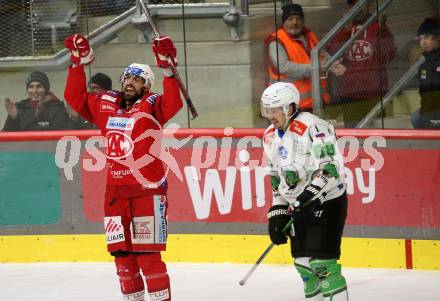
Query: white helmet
column 140, row 70
column 279, row 95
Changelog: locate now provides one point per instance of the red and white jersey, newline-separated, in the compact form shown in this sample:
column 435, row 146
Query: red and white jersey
column 133, row 137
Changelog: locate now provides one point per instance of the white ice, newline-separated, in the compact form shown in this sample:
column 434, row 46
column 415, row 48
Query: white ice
column 201, row 282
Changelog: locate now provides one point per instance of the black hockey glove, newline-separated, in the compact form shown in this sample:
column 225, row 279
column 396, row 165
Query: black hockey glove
column 278, row 217
column 303, row 205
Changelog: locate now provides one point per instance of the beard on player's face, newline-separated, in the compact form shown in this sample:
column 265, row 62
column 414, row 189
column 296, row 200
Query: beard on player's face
column 132, row 91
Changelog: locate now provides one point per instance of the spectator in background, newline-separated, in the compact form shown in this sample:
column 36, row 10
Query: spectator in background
column 289, row 55
column 41, row 111
column 428, row 116
column 365, row 80
column 99, row 83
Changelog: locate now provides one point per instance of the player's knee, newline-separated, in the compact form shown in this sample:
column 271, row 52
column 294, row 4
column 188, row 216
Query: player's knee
column 310, row 281
column 329, row 274
column 130, row 279
column 156, row 275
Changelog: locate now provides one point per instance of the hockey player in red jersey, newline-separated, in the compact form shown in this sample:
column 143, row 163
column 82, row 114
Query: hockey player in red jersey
column 135, row 203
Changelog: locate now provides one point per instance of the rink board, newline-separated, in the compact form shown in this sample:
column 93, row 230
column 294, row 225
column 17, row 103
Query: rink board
column 51, row 206
column 357, row 252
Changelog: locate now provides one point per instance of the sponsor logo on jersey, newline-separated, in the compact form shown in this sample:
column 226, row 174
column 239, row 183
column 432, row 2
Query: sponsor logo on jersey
column 320, row 135
column 134, row 110
column 282, row 151
column 142, row 230
column 360, row 50
column 107, row 107
column 120, row 123
column 298, row 127
column 120, row 174
column 114, row 230
column 108, row 97
column 119, row 145
column 161, row 222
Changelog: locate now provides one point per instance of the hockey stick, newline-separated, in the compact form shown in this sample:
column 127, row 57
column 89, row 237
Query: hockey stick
column 170, row 61
column 257, row 263
column 269, row 248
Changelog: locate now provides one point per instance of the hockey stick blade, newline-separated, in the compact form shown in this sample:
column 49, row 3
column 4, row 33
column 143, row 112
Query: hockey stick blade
column 261, row 258
column 170, row 61
column 269, row 248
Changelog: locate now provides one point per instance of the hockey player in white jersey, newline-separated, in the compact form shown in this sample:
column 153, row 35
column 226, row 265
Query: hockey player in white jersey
column 308, row 186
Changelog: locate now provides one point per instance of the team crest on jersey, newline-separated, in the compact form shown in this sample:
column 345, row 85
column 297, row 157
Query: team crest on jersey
column 282, row 151
column 114, row 230
column 298, row 127
column 119, row 145
column 120, row 123
column 360, row 50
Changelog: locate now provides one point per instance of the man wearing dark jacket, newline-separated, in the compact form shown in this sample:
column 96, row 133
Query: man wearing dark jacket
column 41, row 111
column 428, row 116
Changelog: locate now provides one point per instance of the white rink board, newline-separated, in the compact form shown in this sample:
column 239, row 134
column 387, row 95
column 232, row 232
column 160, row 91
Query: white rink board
column 201, row 282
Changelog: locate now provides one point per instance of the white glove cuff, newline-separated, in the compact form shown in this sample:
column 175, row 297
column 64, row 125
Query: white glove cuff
column 167, row 72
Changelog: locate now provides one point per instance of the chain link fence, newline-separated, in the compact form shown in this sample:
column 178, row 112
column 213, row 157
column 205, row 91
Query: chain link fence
column 375, row 61
column 39, row 27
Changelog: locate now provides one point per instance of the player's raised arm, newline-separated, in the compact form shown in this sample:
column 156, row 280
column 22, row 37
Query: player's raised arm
column 170, row 103
column 75, row 92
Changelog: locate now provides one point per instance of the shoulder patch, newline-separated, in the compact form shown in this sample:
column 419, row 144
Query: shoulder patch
column 298, row 127
column 152, row 98
column 268, row 135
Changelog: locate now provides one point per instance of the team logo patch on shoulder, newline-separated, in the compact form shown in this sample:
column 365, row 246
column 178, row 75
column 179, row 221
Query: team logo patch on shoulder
column 108, row 98
column 298, row 127
column 282, row 151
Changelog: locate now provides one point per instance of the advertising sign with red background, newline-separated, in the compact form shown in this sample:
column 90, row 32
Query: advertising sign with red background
column 221, row 184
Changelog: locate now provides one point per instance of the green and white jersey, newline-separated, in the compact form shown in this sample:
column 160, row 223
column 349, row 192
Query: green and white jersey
column 306, row 147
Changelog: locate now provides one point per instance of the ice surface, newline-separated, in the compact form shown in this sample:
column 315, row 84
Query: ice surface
column 202, row 282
